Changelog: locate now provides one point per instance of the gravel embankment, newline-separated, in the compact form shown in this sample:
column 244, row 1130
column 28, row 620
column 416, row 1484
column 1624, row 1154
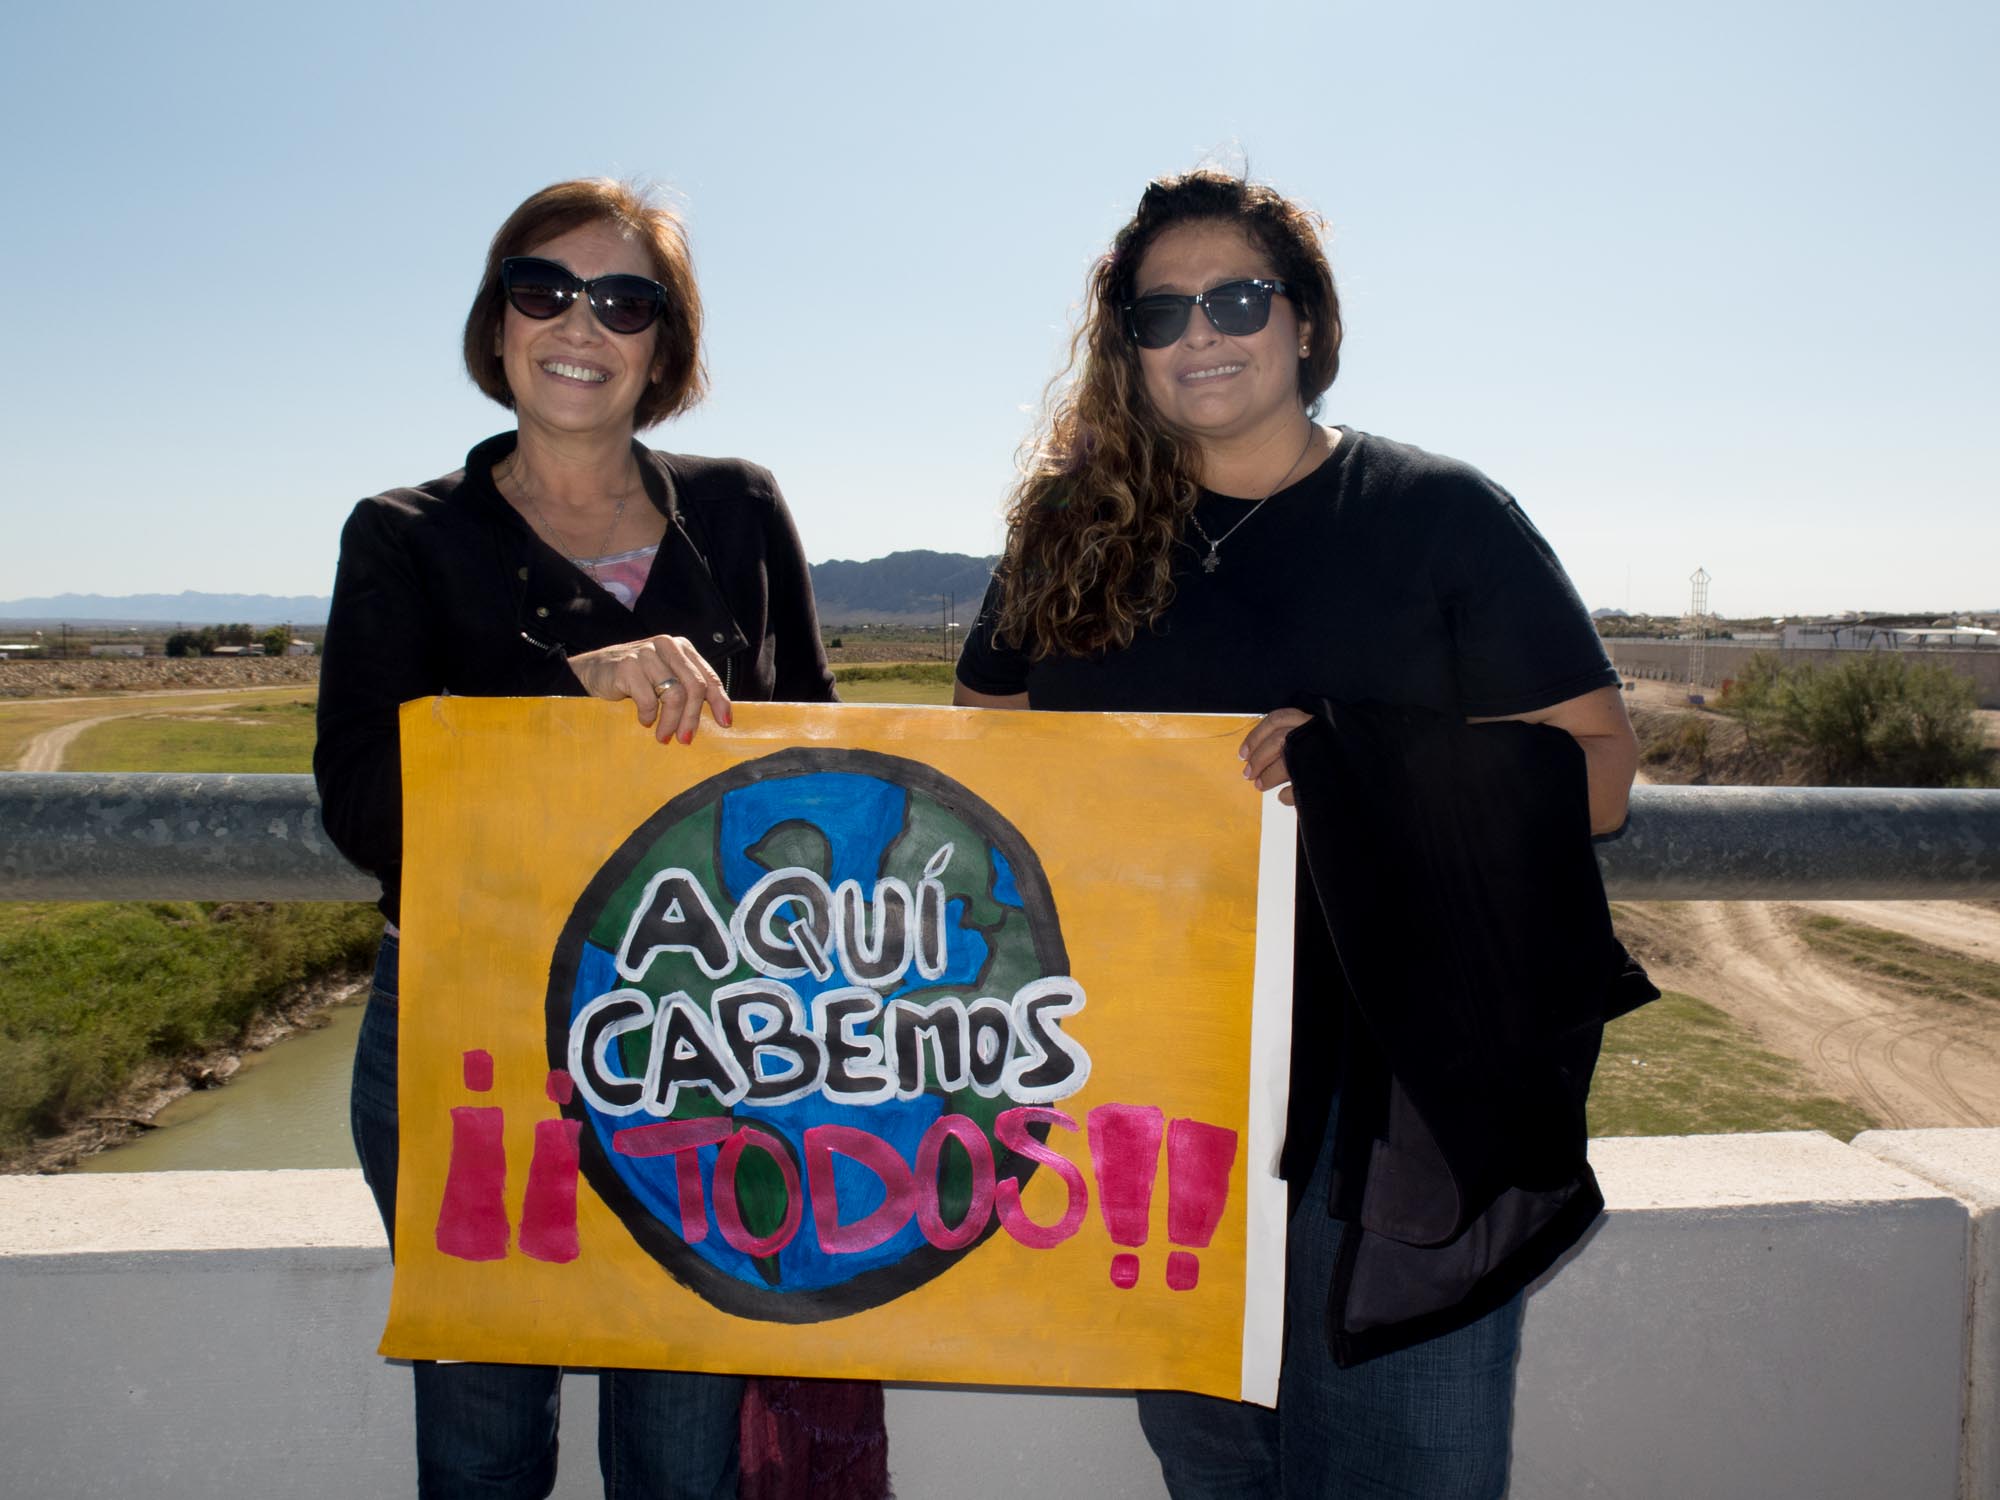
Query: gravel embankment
column 83, row 676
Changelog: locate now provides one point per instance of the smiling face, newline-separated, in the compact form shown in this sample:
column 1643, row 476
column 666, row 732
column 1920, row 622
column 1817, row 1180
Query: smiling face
column 570, row 375
column 1210, row 386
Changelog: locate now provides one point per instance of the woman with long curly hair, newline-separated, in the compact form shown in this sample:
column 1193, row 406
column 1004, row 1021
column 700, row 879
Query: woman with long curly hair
column 1185, row 537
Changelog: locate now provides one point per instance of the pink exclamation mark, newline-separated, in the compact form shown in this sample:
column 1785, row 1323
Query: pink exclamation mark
column 548, row 1216
column 1199, row 1156
column 1125, row 1154
column 472, row 1220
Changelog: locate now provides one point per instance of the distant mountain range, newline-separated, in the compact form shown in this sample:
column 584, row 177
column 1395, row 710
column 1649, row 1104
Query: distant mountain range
column 910, row 588
column 904, row 588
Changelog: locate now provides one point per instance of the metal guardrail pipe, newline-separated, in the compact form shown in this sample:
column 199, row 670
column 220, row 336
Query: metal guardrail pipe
column 74, row 836
column 1755, row 843
column 148, row 836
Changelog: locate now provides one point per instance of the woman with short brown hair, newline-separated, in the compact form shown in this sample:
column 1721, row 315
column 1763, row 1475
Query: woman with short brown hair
column 563, row 559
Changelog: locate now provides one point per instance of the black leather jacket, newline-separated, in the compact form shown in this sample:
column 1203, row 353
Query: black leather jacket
column 445, row 589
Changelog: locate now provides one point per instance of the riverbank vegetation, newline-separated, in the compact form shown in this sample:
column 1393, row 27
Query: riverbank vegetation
column 98, row 996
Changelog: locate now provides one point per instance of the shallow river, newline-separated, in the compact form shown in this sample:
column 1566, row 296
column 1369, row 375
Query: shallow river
column 287, row 1107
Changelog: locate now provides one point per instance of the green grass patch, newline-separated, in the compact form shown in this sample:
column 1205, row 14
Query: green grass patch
column 896, row 690
column 1906, row 962
column 895, row 671
column 21, row 722
column 1681, row 1067
column 89, row 992
column 250, row 734
column 909, row 682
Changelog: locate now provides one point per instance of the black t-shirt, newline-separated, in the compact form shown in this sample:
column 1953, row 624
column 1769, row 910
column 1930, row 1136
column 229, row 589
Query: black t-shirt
column 1388, row 574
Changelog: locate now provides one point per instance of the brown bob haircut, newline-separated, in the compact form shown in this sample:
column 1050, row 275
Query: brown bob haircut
column 555, row 211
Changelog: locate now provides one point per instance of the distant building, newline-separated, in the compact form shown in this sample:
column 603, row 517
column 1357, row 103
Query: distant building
column 1880, row 635
column 119, row 648
column 1956, row 636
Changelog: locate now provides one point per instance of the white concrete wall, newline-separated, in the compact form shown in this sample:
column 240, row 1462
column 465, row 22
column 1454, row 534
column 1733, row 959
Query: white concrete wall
column 1755, row 1316
column 1966, row 1163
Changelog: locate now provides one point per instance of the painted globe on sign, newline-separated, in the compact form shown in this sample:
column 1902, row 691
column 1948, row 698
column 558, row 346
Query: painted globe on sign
column 844, row 815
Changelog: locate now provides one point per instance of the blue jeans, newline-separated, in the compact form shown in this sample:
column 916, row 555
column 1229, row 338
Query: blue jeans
column 1433, row 1422
column 488, row 1432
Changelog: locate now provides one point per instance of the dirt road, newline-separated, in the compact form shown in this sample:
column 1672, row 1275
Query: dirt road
column 47, row 750
column 1910, row 1061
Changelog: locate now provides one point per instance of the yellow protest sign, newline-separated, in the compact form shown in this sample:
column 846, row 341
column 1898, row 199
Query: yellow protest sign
column 918, row 1044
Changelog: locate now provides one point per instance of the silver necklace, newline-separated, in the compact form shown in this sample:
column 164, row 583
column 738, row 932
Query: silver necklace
column 1214, row 559
column 583, row 562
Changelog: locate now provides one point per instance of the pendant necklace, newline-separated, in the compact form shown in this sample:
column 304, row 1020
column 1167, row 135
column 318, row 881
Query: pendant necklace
column 561, row 542
column 1214, row 559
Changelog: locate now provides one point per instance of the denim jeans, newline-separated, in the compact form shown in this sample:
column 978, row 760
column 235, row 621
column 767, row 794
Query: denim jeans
column 1433, row 1422
column 488, row 1432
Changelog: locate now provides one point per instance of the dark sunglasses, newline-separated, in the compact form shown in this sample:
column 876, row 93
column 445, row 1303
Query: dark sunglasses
column 541, row 289
column 1237, row 308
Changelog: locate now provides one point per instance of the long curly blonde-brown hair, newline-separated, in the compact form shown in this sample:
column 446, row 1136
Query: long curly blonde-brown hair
column 1091, row 523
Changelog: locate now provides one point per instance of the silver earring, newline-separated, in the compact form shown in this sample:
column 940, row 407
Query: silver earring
column 1304, row 350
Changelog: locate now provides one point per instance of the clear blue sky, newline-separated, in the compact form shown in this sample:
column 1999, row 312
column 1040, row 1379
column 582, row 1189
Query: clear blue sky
column 1709, row 284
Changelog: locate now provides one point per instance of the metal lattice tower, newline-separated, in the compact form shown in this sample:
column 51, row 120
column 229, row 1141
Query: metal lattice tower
column 1698, row 625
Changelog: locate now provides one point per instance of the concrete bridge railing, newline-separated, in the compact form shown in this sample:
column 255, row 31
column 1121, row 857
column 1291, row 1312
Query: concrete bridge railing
column 1754, row 1317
